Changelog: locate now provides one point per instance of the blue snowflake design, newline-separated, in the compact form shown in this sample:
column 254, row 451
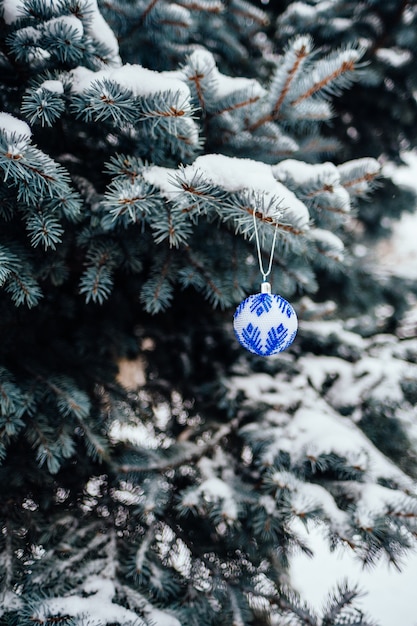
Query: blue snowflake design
column 252, row 337
column 265, row 324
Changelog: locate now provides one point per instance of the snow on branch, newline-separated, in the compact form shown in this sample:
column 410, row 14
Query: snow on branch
column 232, row 175
column 290, row 66
column 328, row 76
column 301, row 84
column 359, row 176
column 95, row 600
column 53, row 30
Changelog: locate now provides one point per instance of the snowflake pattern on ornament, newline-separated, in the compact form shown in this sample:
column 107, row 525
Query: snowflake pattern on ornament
column 265, row 324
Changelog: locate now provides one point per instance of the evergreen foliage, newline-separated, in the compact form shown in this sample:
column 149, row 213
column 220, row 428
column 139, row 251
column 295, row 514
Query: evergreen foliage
column 139, row 141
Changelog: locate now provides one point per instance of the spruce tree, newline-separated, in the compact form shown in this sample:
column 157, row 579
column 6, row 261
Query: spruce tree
column 153, row 472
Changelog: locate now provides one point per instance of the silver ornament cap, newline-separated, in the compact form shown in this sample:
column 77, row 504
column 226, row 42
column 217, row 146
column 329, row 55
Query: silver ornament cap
column 265, row 323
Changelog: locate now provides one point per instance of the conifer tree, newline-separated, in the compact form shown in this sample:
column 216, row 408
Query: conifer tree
column 153, row 472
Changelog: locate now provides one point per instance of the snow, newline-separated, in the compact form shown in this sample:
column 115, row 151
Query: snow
column 301, row 11
column 16, row 132
column 318, row 430
column 99, row 30
column 370, row 371
column 326, row 328
column 95, row 26
column 69, row 22
column 375, row 500
column 315, row 428
column 398, row 255
column 229, row 84
column 138, row 79
column 98, row 605
column 389, row 595
column 213, row 489
column 395, row 57
column 12, row 10
column 341, row 24
column 203, row 62
column 300, row 173
column 322, row 180
column 235, row 174
column 161, row 618
column 55, row 86
column 232, row 174
column 306, row 495
column 30, row 33
column 164, row 179
column 11, row 125
column 353, row 174
column 329, row 242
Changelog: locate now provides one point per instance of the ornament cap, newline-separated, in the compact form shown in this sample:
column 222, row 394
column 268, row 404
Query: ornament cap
column 265, row 287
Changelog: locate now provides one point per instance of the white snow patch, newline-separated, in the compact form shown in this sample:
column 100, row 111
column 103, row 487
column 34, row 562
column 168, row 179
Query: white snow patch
column 318, row 430
column 389, row 596
column 232, row 174
column 377, row 377
column 11, row 125
column 314, row 429
column 98, row 606
column 300, row 173
column 318, row 369
column 341, row 24
column 96, row 27
column 13, row 10
column 16, row 132
column 161, row 618
column 31, row 33
column 376, row 500
column 321, row 181
column 304, row 496
column 328, row 241
column 227, row 85
column 327, row 328
column 203, row 61
column 398, row 255
column 139, row 80
column 215, row 490
column 55, row 86
column 70, row 21
column 235, row 174
column 395, row 57
column 102, row 33
column 163, row 178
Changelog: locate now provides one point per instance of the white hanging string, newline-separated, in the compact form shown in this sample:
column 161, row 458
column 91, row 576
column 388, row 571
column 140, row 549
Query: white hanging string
column 258, row 247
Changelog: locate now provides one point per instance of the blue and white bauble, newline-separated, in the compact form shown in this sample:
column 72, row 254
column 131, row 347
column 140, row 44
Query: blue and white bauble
column 265, row 324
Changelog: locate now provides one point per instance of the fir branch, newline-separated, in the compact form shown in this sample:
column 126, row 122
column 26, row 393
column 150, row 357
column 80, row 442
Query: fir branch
column 148, row 10
column 267, row 219
column 301, row 53
column 395, row 19
column 247, row 11
column 192, row 454
column 206, row 6
column 289, row 602
column 196, row 78
column 237, row 105
column 346, row 66
column 214, row 291
column 156, row 292
column 338, row 602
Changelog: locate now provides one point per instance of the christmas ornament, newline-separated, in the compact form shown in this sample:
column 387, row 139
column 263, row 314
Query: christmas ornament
column 265, row 323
